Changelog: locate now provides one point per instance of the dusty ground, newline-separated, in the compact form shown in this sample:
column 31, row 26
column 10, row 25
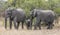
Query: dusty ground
column 55, row 31
column 43, row 31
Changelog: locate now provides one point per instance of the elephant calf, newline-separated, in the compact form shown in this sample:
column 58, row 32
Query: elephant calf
column 28, row 23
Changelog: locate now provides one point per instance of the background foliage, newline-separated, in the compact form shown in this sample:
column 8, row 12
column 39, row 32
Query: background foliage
column 27, row 5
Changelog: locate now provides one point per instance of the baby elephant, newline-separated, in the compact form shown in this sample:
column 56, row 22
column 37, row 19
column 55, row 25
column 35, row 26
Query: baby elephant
column 28, row 23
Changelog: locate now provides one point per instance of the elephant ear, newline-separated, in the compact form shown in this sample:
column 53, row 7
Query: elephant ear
column 35, row 12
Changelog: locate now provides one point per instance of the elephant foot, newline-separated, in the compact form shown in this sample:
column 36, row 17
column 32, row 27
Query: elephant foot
column 16, row 28
column 22, row 28
column 27, row 28
column 30, row 28
column 39, row 27
column 49, row 28
column 35, row 28
column 53, row 25
column 10, row 27
column 5, row 27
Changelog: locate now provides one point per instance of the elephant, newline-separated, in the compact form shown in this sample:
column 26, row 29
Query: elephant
column 28, row 22
column 46, row 16
column 16, row 15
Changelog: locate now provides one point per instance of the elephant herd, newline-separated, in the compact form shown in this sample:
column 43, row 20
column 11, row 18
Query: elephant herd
column 18, row 15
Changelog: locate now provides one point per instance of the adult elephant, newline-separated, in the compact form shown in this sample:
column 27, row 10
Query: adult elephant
column 47, row 16
column 15, row 15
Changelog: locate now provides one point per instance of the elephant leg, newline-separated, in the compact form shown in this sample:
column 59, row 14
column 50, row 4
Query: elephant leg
column 31, row 25
column 50, row 25
column 22, row 25
column 39, row 25
column 10, row 24
column 15, row 23
column 5, row 23
column 27, row 26
column 35, row 26
column 18, row 24
column 37, row 22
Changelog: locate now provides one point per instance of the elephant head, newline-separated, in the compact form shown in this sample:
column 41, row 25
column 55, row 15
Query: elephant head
column 8, row 12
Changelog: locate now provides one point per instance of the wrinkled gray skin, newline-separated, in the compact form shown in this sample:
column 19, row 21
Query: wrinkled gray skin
column 15, row 15
column 47, row 16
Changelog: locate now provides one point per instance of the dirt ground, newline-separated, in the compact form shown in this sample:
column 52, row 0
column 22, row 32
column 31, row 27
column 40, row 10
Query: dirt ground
column 55, row 31
column 43, row 31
